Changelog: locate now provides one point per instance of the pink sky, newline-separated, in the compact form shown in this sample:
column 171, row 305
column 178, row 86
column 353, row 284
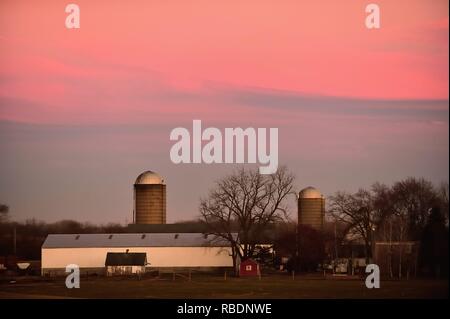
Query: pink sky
column 137, row 69
column 311, row 47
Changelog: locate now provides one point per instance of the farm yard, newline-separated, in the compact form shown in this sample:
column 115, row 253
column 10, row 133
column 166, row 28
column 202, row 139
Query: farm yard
column 208, row 286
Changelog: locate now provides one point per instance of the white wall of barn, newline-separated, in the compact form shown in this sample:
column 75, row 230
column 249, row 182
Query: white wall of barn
column 156, row 256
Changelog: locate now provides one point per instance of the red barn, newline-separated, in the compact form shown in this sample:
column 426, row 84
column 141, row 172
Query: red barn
column 249, row 267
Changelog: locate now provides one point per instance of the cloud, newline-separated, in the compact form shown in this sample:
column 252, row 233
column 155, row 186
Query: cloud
column 297, row 101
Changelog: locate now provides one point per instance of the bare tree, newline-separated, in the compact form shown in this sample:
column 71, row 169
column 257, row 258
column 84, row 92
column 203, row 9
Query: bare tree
column 4, row 210
column 442, row 192
column 412, row 200
column 246, row 202
column 360, row 212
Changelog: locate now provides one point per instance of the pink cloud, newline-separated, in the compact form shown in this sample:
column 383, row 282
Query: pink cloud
column 129, row 62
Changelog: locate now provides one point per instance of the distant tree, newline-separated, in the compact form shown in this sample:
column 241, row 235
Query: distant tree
column 442, row 193
column 360, row 212
column 334, row 234
column 305, row 252
column 285, row 242
column 411, row 202
column 434, row 245
column 311, row 248
column 4, row 211
column 263, row 255
column 112, row 228
column 249, row 202
column 32, row 233
column 67, row 227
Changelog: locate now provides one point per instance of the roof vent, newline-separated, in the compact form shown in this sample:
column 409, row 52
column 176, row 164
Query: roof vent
column 110, row 237
column 176, row 236
column 77, row 237
column 143, row 236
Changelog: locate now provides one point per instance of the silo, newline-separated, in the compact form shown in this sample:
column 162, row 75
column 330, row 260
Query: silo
column 311, row 208
column 149, row 199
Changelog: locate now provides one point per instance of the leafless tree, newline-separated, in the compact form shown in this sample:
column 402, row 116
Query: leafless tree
column 412, row 200
column 442, row 192
column 246, row 202
column 360, row 212
column 4, row 210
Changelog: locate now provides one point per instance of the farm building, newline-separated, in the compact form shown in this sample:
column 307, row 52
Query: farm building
column 164, row 251
column 125, row 263
column 249, row 267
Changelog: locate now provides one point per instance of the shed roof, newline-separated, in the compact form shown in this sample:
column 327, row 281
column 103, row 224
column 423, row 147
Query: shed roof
column 126, row 259
column 248, row 261
column 133, row 240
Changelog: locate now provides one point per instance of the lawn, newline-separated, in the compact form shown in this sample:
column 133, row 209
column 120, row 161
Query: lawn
column 205, row 286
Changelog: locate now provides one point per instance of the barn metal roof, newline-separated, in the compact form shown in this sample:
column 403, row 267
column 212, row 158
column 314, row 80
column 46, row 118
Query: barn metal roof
column 133, row 240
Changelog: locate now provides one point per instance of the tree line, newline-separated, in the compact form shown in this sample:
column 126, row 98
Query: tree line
column 253, row 206
column 411, row 210
column 24, row 239
column 247, row 208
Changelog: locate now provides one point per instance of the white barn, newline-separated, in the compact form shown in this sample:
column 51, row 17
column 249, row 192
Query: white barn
column 163, row 251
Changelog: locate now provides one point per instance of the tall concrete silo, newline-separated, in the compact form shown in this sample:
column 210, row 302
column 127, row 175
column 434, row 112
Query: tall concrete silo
column 311, row 208
column 149, row 199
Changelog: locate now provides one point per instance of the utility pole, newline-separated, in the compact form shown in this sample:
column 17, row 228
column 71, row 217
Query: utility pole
column 15, row 241
column 297, row 248
column 390, row 247
column 134, row 205
column 297, row 236
column 335, row 241
column 372, row 242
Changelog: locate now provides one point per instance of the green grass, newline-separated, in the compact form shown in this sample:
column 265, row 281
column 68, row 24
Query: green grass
column 203, row 286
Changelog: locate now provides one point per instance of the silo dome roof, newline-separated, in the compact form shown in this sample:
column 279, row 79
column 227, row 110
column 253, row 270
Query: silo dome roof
column 310, row 192
column 149, row 177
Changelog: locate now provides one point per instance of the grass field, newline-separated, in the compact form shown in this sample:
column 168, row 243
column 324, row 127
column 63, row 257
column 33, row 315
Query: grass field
column 202, row 286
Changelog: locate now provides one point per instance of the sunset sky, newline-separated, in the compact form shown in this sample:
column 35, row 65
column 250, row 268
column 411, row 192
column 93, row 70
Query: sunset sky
column 84, row 111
